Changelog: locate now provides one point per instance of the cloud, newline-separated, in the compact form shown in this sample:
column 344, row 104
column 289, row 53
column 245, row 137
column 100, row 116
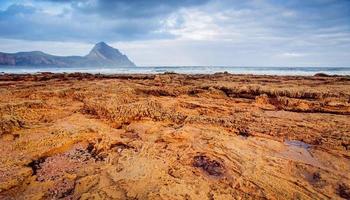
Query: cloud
column 91, row 20
column 133, row 8
column 292, row 55
column 88, row 20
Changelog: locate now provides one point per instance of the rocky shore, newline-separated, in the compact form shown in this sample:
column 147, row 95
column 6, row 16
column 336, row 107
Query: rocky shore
column 174, row 136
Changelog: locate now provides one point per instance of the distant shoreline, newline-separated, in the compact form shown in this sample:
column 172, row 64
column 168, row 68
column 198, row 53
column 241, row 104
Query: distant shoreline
column 284, row 71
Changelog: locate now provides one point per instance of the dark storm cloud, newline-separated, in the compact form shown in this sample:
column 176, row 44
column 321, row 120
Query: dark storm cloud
column 134, row 8
column 89, row 20
column 129, row 8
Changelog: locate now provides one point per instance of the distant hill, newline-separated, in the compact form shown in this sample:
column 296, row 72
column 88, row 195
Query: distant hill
column 100, row 55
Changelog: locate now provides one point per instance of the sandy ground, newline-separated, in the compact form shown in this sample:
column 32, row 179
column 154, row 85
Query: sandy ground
column 171, row 136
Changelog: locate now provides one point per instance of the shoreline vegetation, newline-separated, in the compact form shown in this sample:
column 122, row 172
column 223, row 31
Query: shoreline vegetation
column 174, row 136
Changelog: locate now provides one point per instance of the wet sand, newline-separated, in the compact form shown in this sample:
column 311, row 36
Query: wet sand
column 172, row 136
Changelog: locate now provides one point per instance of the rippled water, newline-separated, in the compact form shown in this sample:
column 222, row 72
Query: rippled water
column 185, row 70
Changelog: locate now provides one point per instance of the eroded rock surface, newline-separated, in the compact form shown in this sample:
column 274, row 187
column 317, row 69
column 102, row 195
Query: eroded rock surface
column 172, row 136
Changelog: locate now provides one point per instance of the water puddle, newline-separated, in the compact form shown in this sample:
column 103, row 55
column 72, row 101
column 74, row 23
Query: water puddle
column 299, row 151
column 297, row 143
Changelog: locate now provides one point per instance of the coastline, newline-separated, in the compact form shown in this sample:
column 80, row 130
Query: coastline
column 297, row 71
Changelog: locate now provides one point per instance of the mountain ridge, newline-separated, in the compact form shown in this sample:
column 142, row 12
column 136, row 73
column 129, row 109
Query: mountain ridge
column 101, row 55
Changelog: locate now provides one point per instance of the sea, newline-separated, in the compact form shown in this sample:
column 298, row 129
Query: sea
column 302, row 71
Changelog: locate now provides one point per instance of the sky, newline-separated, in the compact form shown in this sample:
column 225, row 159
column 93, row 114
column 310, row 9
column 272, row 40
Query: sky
column 185, row 32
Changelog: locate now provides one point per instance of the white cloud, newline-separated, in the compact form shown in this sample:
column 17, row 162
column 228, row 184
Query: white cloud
column 196, row 25
column 292, row 55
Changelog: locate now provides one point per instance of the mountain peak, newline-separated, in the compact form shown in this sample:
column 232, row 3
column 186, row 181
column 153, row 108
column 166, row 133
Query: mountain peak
column 102, row 44
column 102, row 50
column 104, row 54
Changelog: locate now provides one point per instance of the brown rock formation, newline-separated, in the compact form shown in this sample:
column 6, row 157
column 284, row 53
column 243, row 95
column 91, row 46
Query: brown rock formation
column 171, row 136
